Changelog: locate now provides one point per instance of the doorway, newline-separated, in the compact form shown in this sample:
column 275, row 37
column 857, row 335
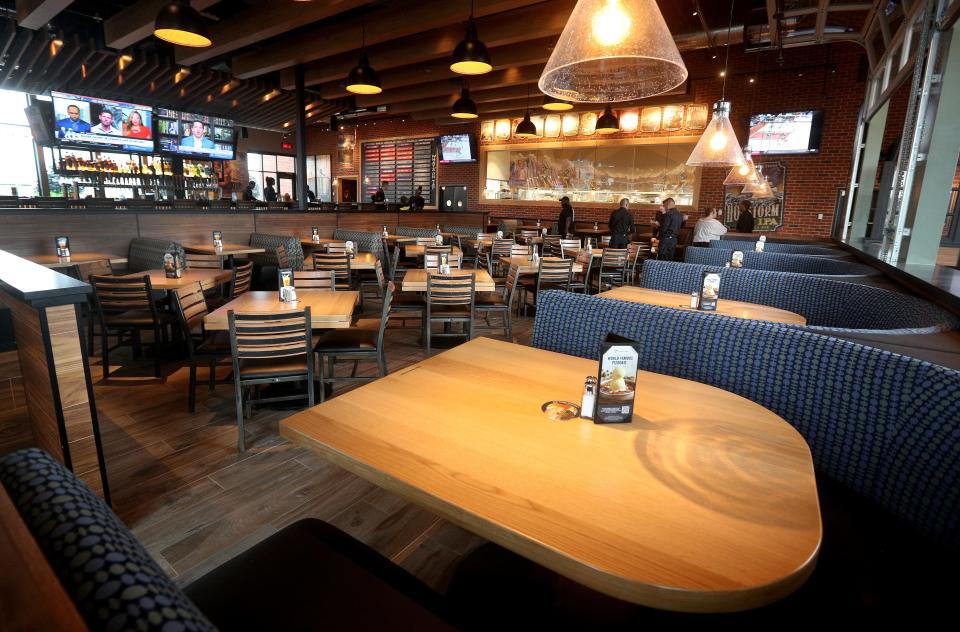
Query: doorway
column 347, row 190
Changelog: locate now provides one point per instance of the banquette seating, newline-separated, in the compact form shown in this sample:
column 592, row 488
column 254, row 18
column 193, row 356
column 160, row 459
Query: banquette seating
column 265, row 264
column 829, row 305
column 779, row 262
column 364, row 241
column 146, row 253
column 795, row 249
column 406, row 231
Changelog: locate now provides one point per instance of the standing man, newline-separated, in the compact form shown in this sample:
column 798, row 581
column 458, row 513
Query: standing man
column 269, row 193
column 621, row 225
column 73, row 122
column 379, row 198
column 669, row 230
column 565, row 222
column 416, row 200
column 106, row 124
column 708, row 228
column 745, row 221
column 248, row 195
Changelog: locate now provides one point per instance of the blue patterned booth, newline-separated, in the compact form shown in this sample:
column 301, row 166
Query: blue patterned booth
column 883, row 425
column 364, row 241
column 793, row 249
column 147, row 253
column 828, row 305
column 779, row 262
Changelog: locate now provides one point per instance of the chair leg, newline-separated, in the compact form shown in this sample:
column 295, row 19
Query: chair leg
column 323, row 378
column 90, row 337
column 238, row 400
column 509, row 324
column 192, row 400
column 213, row 375
column 137, row 345
column 426, row 333
column 105, row 359
column 382, row 362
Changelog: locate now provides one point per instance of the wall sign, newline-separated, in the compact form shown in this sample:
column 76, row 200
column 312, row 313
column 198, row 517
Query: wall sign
column 402, row 166
column 767, row 212
column 346, row 144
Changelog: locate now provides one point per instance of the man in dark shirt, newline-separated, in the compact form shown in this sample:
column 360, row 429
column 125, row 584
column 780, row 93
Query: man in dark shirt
column 248, row 192
column 416, row 200
column 567, row 218
column 669, row 230
column 379, row 198
column 745, row 221
column 311, row 195
column 269, row 193
column 621, row 225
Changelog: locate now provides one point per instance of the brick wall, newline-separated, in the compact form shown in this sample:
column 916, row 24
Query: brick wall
column 818, row 77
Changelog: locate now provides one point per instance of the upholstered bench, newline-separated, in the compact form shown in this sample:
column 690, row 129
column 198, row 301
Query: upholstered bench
column 364, row 241
column 795, row 249
column 406, row 231
column 146, row 253
column 779, row 262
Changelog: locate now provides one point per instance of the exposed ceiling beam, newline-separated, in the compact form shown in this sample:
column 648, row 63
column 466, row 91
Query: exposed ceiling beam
column 821, row 18
column 34, row 14
column 394, row 22
column 518, row 91
column 497, row 79
column 135, row 23
column 773, row 20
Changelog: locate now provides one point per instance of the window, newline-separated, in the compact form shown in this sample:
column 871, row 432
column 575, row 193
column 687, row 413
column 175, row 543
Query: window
column 18, row 160
column 277, row 166
column 318, row 177
column 263, row 166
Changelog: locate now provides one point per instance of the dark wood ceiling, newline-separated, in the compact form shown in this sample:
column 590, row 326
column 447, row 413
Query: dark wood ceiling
column 248, row 73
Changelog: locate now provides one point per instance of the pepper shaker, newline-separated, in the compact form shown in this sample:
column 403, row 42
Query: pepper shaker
column 589, row 400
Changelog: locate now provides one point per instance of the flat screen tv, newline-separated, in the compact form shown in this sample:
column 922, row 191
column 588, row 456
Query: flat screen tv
column 458, row 148
column 98, row 123
column 196, row 135
column 40, row 118
column 786, row 132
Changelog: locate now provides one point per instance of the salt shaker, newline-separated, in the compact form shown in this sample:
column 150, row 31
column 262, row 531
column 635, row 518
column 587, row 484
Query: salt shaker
column 694, row 300
column 589, row 400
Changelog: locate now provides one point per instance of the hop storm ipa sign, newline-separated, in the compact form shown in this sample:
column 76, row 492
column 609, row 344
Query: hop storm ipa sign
column 767, row 211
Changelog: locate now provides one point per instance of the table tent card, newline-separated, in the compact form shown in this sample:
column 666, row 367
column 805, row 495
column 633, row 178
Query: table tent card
column 172, row 265
column 736, row 259
column 218, row 239
column 315, row 234
column 709, row 291
column 287, row 291
column 617, row 380
column 63, row 246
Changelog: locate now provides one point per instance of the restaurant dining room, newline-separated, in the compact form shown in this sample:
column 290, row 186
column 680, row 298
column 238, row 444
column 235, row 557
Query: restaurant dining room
column 479, row 314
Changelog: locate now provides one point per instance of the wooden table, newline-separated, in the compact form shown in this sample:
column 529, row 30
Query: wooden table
column 227, row 250
column 360, row 261
column 310, row 243
column 53, row 261
column 706, row 502
column 527, row 266
column 418, row 251
column 416, row 280
column 725, row 307
column 398, row 239
column 595, row 232
column 159, row 280
column 328, row 309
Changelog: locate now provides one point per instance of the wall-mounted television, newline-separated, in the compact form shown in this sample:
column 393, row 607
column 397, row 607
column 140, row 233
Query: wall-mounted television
column 786, row 132
column 196, row 135
column 40, row 118
column 458, row 148
column 97, row 123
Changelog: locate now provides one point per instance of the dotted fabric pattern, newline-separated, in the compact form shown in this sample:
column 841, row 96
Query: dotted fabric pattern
column 146, row 253
column 406, row 231
column 363, row 241
column 469, row 232
column 777, row 262
column 796, row 249
column 827, row 305
column 270, row 242
column 885, row 425
column 110, row 577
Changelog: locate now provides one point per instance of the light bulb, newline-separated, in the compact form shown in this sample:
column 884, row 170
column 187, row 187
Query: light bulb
column 611, row 24
column 718, row 141
column 744, row 169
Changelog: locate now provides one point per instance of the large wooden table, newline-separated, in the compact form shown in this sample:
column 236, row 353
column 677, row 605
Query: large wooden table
column 53, row 261
column 227, row 250
column 526, row 266
column 328, row 310
column 159, row 280
column 706, row 502
column 725, row 307
column 412, row 250
column 360, row 261
column 416, row 280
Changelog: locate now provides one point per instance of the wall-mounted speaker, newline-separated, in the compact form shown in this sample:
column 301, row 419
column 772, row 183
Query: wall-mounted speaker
column 453, row 197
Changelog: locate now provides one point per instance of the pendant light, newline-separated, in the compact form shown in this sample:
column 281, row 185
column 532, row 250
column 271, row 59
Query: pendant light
column 760, row 188
column 363, row 78
column 464, row 107
column 608, row 123
column 556, row 105
column 526, row 128
column 718, row 145
column 470, row 57
column 611, row 51
column 744, row 174
column 179, row 23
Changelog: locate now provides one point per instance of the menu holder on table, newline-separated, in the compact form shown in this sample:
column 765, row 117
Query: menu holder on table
column 172, row 265
column 315, row 234
column 288, row 293
column 758, row 247
column 736, row 259
column 349, row 247
column 218, row 239
column 63, row 246
column 617, row 380
column 709, row 291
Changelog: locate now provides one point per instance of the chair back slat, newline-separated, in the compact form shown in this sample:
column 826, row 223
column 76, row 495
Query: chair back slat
column 555, row 271
column 241, row 279
column 432, row 261
column 204, row 262
column 613, row 258
column 378, row 271
column 264, row 336
column 426, row 241
column 336, row 248
column 100, row 267
column 437, row 249
column 316, row 279
column 283, row 261
column 569, row 247
column 503, row 248
column 518, row 250
column 191, row 305
column 121, row 294
column 450, row 289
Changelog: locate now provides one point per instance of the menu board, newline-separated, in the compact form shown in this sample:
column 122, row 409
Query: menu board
column 401, row 166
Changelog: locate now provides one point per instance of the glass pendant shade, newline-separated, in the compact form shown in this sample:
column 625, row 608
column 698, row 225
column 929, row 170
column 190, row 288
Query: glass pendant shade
column 759, row 189
column 611, row 51
column 181, row 24
column 526, row 128
column 718, row 145
column 363, row 79
column 470, row 57
column 744, row 174
column 555, row 105
column 608, row 122
column 464, row 107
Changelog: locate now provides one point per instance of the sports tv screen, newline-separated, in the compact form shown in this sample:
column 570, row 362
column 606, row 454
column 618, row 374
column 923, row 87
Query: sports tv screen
column 786, row 132
column 102, row 123
column 457, row 148
column 196, row 135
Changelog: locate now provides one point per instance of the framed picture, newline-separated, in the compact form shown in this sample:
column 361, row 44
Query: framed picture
column 502, row 129
column 650, row 120
column 346, row 145
column 551, row 128
column 588, row 123
column 538, row 123
column 571, row 124
column 629, row 121
column 672, row 118
column 486, row 130
column 696, row 117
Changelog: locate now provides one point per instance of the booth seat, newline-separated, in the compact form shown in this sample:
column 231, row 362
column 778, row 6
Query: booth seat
column 269, row 243
column 308, row 576
column 882, row 425
column 406, row 231
column 364, row 241
column 829, row 306
column 795, row 249
column 146, row 253
column 779, row 262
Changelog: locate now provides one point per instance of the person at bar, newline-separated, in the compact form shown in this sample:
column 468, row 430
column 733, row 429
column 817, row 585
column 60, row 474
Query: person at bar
column 133, row 127
column 621, row 225
column 669, row 230
column 708, row 228
column 565, row 222
column 196, row 138
column 745, row 220
column 416, row 200
column 269, row 193
column 379, row 198
column 311, row 196
column 73, row 122
column 106, row 124
column 404, row 203
column 248, row 195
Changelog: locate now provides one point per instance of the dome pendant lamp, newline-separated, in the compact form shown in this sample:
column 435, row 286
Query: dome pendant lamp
column 470, row 57
column 608, row 122
column 718, row 145
column 526, row 128
column 464, row 107
column 179, row 23
column 612, row 51
column 363, row 78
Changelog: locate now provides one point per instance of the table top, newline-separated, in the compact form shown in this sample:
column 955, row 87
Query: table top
column 725, row 307
column 53, row 261
column 360, row 261
column 307, row 241
column 328, row 309
column 399, row 239
column 412, row 250
column 526, row 266
column 416, row 280
column 159, row 280
column 705, row 502
column 591, row 231
column 227, row 250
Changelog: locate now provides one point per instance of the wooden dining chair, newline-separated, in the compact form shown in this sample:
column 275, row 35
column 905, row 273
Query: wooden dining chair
column 426, row 241
column 125, row 305
column 432, row 261
column 240, row 283
column 527, row 236
column 570, row 247
column 339, row 263
column 500, row 302
column 83, row 272
column 269, row 349
column 204, row 262
column 551, row 246
column 315, row 279
column 553, row 274
column 519, row 250
column 376, row 284
column 580, row 281
column 208, row 348
column 450, row 299
column 502, row 248
column 634, row 250
column 612, row 264
column 437, row 249
column 283, row 261
column 486, row 262
column 336, row 247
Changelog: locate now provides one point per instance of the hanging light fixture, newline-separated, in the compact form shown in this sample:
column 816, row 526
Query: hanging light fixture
column 464, row 107
column 363, row 78
column 611, row 51
column 556, row 105
column 608, row 123
column 179, row 23
column 526, row 128
column 759, row 188
column 744, row 174
column 470, row 57
column 718, row 145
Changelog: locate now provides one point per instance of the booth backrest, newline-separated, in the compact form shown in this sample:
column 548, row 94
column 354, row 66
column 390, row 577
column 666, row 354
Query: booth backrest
column 825, row 303
column 363, row 241
column 463, row 231
column 147, row 253
column 406, row 231
column 508, row 226
column 885, row 425
column 270, row 242
column 111, row 578
column 793, row 249
column 778, row 262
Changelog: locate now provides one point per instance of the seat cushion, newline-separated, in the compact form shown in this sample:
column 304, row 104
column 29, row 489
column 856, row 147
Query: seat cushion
column 256, row 368
column 344, row 340
column 136, row 318
column 312, row 576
